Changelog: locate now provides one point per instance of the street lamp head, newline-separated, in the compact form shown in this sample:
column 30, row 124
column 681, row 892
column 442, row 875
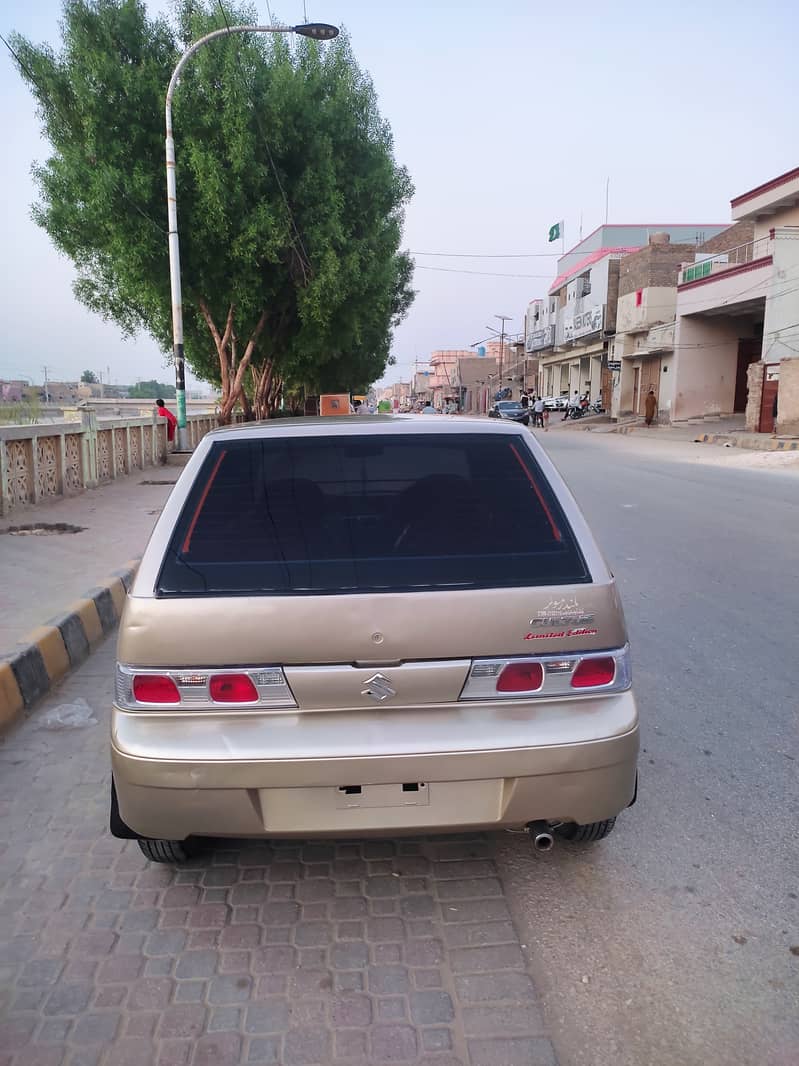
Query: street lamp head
column 319, row 31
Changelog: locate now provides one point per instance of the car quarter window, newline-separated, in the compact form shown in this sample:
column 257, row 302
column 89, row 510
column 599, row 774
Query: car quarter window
column 404, row 512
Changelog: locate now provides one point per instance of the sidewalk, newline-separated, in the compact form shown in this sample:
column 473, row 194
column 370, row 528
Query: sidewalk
column 729, row 431
column 357, row 952
column 40, row 575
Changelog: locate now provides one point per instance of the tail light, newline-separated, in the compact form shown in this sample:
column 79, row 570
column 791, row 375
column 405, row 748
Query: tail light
column 155, row 688
column 251, row 688
column 594, row 673
column 521, row 677
column 549, row 676
column 232, row 688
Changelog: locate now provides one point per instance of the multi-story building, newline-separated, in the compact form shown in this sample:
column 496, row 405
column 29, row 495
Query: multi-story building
column 443, row 366
column 476, row 382
column 398, row 394
column 421, row 391
column 640, row 354
column 570, row 329
column 736, row 345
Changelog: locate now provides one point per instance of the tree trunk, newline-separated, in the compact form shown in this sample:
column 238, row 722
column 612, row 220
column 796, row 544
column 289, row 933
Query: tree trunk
column 268, row 386
column 273, row 398
column 231, row 368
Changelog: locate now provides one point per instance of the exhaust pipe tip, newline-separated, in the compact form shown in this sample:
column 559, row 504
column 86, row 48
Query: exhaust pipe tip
column 541, row 835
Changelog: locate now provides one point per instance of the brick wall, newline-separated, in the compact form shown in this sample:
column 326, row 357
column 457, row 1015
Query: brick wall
column 740, row 233
column 613, row 294
column 754, row 395
column 788, row 399
column 655, row 265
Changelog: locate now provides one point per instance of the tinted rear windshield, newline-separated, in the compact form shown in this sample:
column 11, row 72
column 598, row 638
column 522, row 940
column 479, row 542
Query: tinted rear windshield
column 368, row 513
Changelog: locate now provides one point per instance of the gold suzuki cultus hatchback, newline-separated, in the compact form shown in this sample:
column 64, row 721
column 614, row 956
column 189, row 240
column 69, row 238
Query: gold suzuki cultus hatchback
column 371, row 626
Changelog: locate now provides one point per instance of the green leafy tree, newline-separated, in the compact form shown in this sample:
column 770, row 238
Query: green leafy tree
column 290, row 201
column 88, row 377
column 150, row 390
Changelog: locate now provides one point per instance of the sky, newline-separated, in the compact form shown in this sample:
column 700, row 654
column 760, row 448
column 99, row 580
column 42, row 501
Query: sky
column 510, row 116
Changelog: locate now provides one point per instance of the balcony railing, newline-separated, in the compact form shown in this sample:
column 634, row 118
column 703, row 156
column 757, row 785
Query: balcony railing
column 733, row 257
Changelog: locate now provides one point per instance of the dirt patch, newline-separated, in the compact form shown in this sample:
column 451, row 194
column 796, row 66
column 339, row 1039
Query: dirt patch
column 42, row 529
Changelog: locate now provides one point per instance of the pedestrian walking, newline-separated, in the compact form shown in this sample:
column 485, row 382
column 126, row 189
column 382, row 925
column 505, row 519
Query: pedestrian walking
column 171, row 421
column 538, row 412
column 650, row 407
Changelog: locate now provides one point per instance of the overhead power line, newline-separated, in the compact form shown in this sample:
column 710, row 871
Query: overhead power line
column 481, row 273
column 493, row 255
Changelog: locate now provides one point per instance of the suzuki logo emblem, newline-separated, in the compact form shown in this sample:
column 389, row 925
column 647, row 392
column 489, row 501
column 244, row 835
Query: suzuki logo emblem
column 379, row 688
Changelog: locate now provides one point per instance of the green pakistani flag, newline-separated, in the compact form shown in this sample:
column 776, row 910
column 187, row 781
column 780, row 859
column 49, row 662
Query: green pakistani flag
column 554, row 232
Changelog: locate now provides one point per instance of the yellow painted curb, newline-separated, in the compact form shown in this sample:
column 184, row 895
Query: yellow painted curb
column 50, row 643
column 116, row 586
column 92, row 627
column 11, row 702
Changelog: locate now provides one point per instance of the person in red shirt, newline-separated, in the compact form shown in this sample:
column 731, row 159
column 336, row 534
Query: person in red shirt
column 171, row 421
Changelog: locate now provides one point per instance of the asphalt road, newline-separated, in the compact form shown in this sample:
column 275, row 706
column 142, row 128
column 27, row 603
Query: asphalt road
column 675, row 942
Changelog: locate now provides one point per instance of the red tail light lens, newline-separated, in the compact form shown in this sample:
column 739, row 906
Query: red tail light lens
column 593, row 672
column 155, row 688
column 521, row 677
column 233, row 688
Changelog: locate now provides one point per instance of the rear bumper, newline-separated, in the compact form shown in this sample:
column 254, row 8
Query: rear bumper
column 582, row 781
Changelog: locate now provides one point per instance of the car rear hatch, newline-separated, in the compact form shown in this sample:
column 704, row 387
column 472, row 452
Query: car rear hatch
column 375, row 568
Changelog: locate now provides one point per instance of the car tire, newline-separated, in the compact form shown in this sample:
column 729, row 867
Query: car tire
column 585, row 834
column 170, row 851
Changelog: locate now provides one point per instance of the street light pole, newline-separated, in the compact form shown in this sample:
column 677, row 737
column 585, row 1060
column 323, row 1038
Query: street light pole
column 319, row 31
column 503, row 319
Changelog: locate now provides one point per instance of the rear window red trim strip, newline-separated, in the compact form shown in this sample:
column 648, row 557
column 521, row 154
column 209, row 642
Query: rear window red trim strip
column 556, row 533
column 201, row 503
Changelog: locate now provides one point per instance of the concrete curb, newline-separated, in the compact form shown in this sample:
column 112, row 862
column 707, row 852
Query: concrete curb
column 46, row 654
column 759, row 442
column 766, row 444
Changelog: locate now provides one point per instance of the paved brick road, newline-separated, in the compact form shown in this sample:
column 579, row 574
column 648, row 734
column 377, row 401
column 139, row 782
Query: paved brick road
column 298, row 954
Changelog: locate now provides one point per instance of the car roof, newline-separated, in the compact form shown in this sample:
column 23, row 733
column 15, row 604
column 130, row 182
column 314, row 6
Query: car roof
column 360, row 425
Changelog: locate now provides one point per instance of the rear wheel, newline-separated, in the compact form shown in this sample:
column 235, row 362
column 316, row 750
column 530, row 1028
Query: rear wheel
column 585, row 834
column 171, row 851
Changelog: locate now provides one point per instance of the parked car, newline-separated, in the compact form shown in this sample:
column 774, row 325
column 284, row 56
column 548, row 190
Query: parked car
column 511, row 409
column 349, row 627
column 556, row 403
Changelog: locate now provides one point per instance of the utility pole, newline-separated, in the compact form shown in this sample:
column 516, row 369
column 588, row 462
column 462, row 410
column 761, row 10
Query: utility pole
column 503, row 319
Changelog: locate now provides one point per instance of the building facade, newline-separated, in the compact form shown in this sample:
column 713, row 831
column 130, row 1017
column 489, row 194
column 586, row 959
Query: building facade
column 570, row 330
column 736, row 346
column 640, row 354
column 476, row 381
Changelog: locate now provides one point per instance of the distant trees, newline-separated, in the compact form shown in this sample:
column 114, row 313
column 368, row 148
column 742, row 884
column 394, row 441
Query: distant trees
column 88, row 377
column 290, row 201
column 151, row 390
